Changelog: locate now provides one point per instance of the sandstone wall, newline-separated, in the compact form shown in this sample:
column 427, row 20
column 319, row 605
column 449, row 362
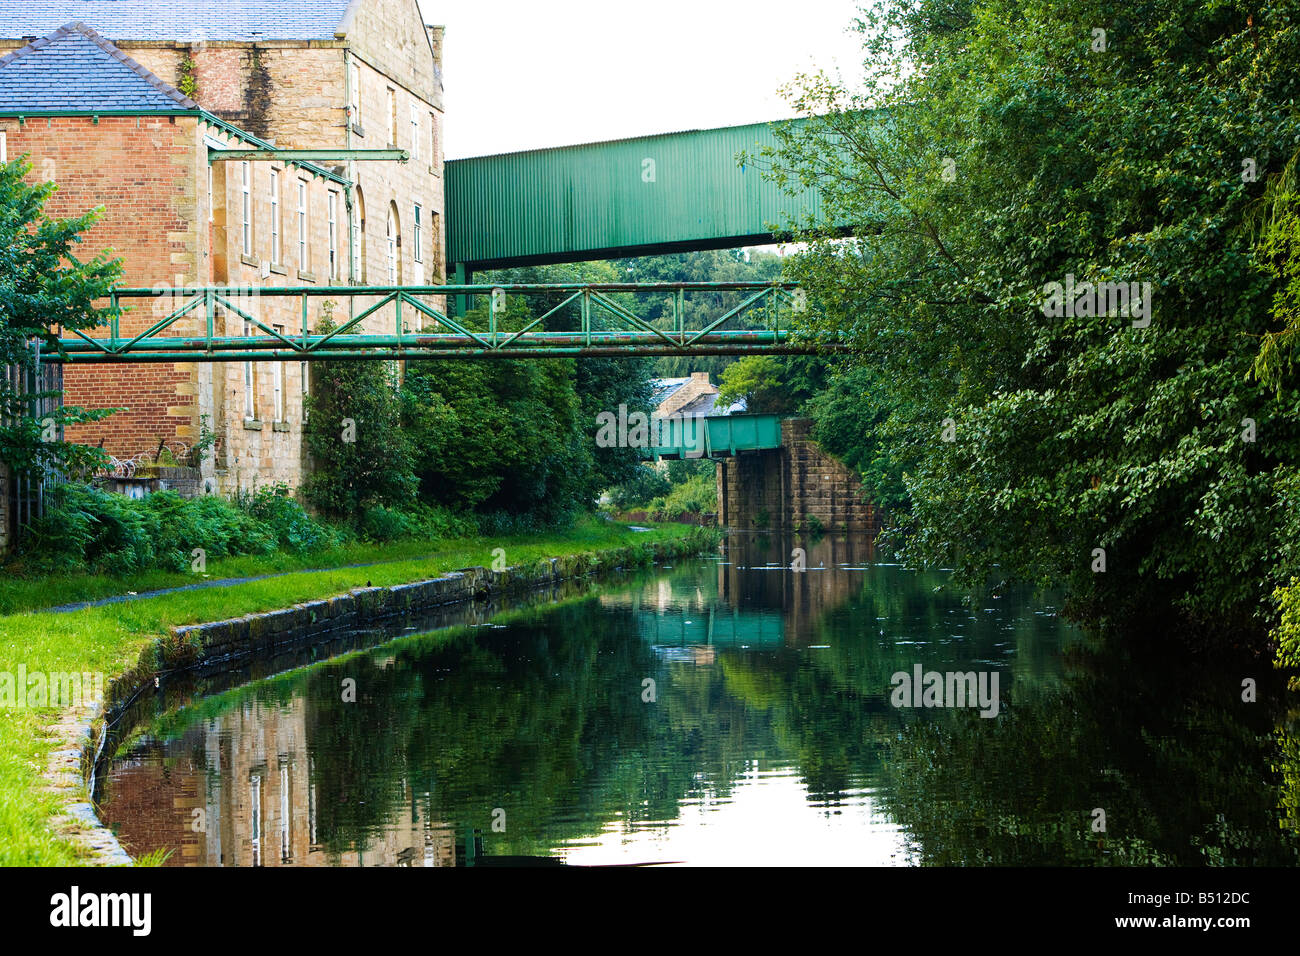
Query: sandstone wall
column 789, row 487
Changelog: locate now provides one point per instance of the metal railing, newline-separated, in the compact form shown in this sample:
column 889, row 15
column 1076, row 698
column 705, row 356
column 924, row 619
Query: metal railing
column 40, row 383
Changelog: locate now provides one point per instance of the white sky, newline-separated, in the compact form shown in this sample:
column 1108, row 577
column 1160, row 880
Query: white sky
column 521, row 74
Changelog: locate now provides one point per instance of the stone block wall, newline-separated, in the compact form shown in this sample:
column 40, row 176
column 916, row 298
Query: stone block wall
column 787, row 487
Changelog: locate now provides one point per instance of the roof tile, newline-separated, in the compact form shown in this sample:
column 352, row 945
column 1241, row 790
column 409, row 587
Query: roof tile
column 247, row 20
column 74, row 68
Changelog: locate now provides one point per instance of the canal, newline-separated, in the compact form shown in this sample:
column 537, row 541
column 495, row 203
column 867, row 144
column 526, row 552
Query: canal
column 730, row 710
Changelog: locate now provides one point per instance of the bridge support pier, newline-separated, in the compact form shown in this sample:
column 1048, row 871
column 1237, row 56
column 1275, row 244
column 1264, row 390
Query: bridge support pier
column 796, row 486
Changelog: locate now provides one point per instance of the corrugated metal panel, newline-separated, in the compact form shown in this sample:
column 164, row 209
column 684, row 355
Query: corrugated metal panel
column 648, row 194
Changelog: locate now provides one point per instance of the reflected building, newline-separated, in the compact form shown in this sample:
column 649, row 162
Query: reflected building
column 243, row 792
column 757, row 599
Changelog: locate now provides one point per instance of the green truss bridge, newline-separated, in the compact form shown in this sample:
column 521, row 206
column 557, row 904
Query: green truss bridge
column 584, row 320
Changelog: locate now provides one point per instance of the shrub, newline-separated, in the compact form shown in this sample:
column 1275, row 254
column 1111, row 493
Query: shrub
column 87, row 528
column 645, row 485
column 697, row 494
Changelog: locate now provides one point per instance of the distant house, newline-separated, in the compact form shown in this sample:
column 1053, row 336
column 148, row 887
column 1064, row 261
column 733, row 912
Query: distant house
column 692, row 397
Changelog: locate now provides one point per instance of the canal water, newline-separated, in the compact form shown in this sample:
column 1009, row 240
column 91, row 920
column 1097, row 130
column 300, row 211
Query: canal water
column 733, row 710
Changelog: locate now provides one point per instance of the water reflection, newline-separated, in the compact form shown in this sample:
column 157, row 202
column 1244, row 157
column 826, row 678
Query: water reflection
column 732, row 711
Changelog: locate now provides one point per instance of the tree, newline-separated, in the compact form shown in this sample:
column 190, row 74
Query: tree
column 360, row 454
column 44, row 288
column 502, row 436
column 756, row 381
column 1001, row 147
column 601, row 384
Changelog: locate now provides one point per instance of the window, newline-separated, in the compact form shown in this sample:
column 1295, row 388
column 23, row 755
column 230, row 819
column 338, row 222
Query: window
column 285, row 811
column 433, row 143
column 275, row 217
column 356, row 93
column 332, row 206
column 419, row 241
column 415, row 132
column 302, row 226
column 250, row 381
column 360, row 243
column 4, row 147
column 277, row 383
column 435, row 236
column 392, row 116
column 247, row 207
column 255, row 816
column 390, row 235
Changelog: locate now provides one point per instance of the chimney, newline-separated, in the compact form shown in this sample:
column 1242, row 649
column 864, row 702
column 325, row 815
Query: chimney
column 436, row 34
column 700, row 377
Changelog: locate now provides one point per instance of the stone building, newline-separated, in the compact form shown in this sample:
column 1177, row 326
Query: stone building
column 126, row 105
column 689, row 397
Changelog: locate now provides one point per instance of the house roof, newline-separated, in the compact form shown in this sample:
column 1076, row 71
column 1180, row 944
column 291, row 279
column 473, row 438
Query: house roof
column 245, row 20
column 74, row 68
column 661, row 389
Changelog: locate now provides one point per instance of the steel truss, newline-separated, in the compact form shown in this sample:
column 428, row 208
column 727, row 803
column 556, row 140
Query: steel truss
column 606, row 327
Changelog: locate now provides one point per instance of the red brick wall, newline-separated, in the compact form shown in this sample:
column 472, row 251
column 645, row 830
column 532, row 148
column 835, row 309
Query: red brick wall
column 143, row 172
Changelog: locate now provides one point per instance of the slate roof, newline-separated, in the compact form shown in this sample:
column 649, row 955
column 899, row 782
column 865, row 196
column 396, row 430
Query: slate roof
column 661, row 389
column 246, row 20
column 74, row 68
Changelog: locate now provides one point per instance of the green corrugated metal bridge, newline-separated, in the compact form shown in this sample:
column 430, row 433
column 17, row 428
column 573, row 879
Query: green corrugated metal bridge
column 712, row 436
column 647, row 195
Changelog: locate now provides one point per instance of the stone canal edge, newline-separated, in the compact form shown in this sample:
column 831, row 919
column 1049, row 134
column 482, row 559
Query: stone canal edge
column 79, row 735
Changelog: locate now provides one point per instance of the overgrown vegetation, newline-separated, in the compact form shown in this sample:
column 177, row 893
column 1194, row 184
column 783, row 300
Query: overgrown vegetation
column 685, row 486
column 86, row 528
column 1003, row 145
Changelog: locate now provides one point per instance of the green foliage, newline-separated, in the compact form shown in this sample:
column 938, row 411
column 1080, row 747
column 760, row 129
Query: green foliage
column 284, row 518
column 648, row 483
column 599, row 384
column 516, row 436
column 696, row 494
column 361, row 454
column 187, row 82
column 851, row 420
column 756, row 381
column 992, row 152
column 421, row 521
column 1274, row 221
column 87, row 528
column 686, row 486
column 43, row 286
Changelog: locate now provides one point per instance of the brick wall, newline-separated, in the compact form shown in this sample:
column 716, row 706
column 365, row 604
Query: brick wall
column 141, row 170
